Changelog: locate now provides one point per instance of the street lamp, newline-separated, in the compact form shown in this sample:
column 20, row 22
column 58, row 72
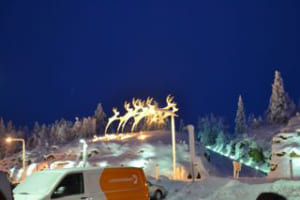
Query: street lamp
column 9, row 140
column 84, row 152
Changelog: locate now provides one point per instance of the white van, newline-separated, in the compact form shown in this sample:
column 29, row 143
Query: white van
column 124, row 183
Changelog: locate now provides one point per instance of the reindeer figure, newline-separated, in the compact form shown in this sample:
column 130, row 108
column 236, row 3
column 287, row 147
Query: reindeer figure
column 171, row 107
column 115, row 117
column 130, row 112
column 142, row 111
column 133, row 112
column 152, row 111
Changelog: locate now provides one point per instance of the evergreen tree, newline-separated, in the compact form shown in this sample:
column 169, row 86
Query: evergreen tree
column 240, row 119
column 2, row 126
column 280, row 107
column 100, row 119
column 220, row 140
column 42, row 134
column 34, row 139
column 256, row 152
column 181, row 127
column 9, row 127
column 209, row 128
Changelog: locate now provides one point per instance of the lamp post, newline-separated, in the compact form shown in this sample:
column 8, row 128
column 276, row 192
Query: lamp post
column 9, row 140
column 173, row 145
column 84, row 152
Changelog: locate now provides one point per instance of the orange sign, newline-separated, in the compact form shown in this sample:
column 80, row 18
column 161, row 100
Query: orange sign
column 124, row 184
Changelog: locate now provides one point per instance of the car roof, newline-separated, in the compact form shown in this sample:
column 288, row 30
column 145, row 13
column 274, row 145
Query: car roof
column 81, row 169
column 67, row 170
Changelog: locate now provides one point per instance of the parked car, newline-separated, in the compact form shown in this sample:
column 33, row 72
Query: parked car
column 156, row 192
column 121, row 183
column 5, row 187
column 270, row 196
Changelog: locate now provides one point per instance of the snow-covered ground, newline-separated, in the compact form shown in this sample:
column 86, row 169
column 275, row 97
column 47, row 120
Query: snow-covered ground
column 215, row 188
column 216, row 176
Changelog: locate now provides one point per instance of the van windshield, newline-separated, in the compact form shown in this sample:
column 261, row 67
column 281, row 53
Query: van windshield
column 38, row 183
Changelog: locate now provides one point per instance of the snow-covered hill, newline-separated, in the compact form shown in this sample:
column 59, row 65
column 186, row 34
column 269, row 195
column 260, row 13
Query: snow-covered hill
column 151, row 150
column 265, row 133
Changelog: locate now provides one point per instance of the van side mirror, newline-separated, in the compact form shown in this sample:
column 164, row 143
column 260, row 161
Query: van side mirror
column 59, row 192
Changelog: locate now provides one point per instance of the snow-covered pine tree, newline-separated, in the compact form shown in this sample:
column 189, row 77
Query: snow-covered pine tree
column 280, row 105
column 61, row 134
column 221, row 140
column 42, row 134
column 9, row 126
column 100, row 119
column 2, row 126
column 240, row 119
column 181, row 126
column 208, row 129
column 34, row 139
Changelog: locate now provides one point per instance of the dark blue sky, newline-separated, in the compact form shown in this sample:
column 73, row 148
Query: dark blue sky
column 58, row 59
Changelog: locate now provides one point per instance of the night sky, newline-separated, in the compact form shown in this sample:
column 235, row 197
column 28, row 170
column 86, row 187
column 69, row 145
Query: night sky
column 59, row 59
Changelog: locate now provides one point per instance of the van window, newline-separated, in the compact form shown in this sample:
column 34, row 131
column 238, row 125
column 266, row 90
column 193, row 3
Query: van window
column 72, row 184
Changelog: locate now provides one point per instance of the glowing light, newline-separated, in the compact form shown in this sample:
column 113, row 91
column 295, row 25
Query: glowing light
column 140, row 109
column 122, row 136
column 142, row 137
column 103, row 164
column 9, row 140
column 82, row 141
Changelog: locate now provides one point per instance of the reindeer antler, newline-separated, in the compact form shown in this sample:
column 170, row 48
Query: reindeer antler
column 170, row 99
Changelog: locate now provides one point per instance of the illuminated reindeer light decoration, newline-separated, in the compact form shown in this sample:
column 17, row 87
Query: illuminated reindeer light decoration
column 115, row 117
column 139, row 110
column 144, row 110
column 170, row 109
column 130, row 112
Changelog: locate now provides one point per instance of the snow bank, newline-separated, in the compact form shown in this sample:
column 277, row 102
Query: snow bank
column 227, row 189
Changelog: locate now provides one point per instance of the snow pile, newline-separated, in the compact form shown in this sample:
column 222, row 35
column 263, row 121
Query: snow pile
column 285, row 148
column 226, row 189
